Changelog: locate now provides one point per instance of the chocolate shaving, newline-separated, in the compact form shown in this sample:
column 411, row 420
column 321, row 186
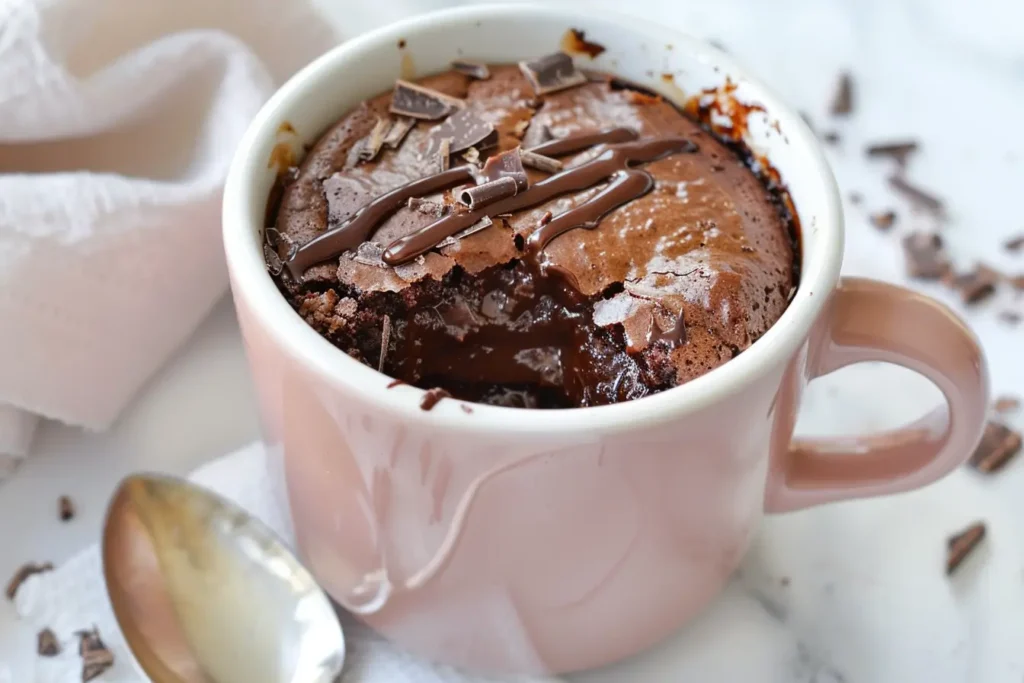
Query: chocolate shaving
column 552, row 73
column 425, row 206
column 1014, row 244
column 961, row 545
column 842, row 102
column 508, row 164
column 998, row 445
column 575, row 42
column 482, row 224
column 65, row 509
column 481, row 195
column 444, row 153
column 385, row 339
column 432, row 397
column 399, row 129
column 415, row 101
column 47, row 644
column 24, row 572
column 977, row 285
column 917, row 196
column 96, row 658
column 464, row 129
column 477, row 70
column 925, row 257
column 540, row 162
column 884, row 220
column 897, row 151
column 369, row 147
column 1006, row 404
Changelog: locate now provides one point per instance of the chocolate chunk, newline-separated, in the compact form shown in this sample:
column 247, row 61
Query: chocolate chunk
column 884, row 220
column 482, row 224
column 540, row 162
column 464, row 129
column 575, row 43
column 24, row 572
column 977, row 285
column 961, row 545
column 415, row 101
column 477, row 70
column 444, row 153
column 47, row 644
column 897, row 151
column 96, row 658
column 552, row 73
column 1010, row 317
column 831, row 137
column 487, row 193
column 1005, row 405
column 65, row 509
column 508, row 164
column 917, row 196
column 925, row 258
column 425, row 206
column 842, row 102
column 1014, row 243
column 400, row 128
column 432, row 397
column 999, row 444
column 369, row 147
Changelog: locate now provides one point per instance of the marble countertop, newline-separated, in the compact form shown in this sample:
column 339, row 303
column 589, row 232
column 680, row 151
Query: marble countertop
column 853, row 592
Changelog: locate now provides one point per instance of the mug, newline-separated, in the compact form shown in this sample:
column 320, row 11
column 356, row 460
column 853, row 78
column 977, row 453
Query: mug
column 514, row 540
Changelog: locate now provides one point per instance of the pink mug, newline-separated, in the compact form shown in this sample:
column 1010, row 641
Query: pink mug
column 503, row 539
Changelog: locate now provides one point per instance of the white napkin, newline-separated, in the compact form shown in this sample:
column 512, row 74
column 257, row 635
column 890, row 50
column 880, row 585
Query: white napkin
column 118, row 120
column 73, row 597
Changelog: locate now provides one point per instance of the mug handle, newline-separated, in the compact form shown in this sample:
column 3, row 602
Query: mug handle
column 875, row 321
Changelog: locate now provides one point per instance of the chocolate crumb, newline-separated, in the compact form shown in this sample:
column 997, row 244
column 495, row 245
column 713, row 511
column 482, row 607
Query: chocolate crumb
column 401, row 43
column 96, row 658
column 1014, row 244
column 856, row 198
column 960, row 545
column 477, row 70
column 426, row 206
column 545, row 219
column 65, row 509
column 575, row 42
column 418, row 102
column 24, row 572
column 1010, row 317
column 552, row 73
column 831, row 137
column 399, row 130
column 432, row 397
column 842, row 102
column 468, row 410
column 924, row 255
column 897, row 151
column 540, row 162
column 47, row 644
column 977, row 285
column 917, row 196
column 998, row 445
column 1006, row 404
column 444, row 153
column 884, row 220
column 385, row 340
column 395, row 383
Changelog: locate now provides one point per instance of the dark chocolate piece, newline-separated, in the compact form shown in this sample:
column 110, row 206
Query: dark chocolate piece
column 832, row 137
column 508, row 164
column 47, row 644
column 540, row 162
column 884, row 220
column 24, row 572
column 1014, row 243
column 925, row 257
column 575, row 42
column 369, row 147
column 477, row 70
column 464, row 129
column 552, row 73
column 96, row 657
column 65, row 509
column 1005, row 405
column 385, row 339
column 400, row 128
column 432, row 397
column 897, row 151
column 842, row 102
column 998, row 445
column 917, row 196
column 977, row 285
column 425, row 206
column 961, row 545
column 482, row 195
column 415, row 101
column 444, row 154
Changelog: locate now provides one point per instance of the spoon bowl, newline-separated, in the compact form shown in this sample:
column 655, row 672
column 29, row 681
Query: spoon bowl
column 205, row 593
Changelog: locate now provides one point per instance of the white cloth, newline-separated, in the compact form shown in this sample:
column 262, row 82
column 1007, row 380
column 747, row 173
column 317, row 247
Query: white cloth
column 118, row 120
column 73, row 597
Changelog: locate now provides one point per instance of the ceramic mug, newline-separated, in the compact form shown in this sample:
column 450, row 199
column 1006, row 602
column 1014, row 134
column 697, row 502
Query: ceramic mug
column 506, row 539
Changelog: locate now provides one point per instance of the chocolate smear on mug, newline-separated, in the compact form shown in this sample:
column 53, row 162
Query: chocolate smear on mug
column 897, row 151
column 395, row 383
column 418, row 102
column 508, row 164
column 552, row 73
column 977, row 285
column 371, row 145
column 918, row 197
column 1006, row 404
column 468, row 67
column 464, row 129
column 842, row 101
column 65, row 509
column 96, row 657
column 925, row 257
column 485, row 194
column 1014, row 244
column 540, row 162
column 399, row 130
column 575, row 42
column 23, row 573
column 47, row 644
column 884, row 220
column 960, row 546
column 432, row 397
column 999, row 444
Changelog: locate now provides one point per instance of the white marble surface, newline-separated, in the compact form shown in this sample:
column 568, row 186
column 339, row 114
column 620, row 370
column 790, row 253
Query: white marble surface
column 851, row 592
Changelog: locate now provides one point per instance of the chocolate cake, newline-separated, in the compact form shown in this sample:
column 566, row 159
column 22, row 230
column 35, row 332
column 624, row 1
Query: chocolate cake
column 531, row 235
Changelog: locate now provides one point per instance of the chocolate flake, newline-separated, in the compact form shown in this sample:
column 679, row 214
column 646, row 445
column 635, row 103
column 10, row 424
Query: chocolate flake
column 399, row 130
column 385, row 340
column 464, row 129
column 425, row 206
column 65, row 509
column 925, row 257
column 917, row 196
column 96, row 658
column 884, row 220
column 478, row 196
column 1014, row 244
column 482, row 224
column 998, row 445
column 432, row 397
column 415, row 101
column 977, row 285
column 477, row 70
column 47, row 644
column 508, row 164
column 24, row 572
column 444, row 153
column 552, row 73
column 369, row 147
column 1005, row 405
column 842, row 102
column 540, row 162
column 897, row 151
column 575, row 42
column 959, row 546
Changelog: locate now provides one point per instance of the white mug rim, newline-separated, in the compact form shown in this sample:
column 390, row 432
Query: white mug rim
column 820, row 265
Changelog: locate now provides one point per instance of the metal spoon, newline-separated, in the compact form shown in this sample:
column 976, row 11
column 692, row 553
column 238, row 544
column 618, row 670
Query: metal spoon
column 204, row 593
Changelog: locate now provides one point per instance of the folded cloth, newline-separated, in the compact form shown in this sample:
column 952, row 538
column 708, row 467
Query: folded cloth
column 118, row 120
column 73, row 597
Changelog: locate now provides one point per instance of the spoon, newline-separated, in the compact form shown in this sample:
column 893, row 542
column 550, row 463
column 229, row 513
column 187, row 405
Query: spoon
column 205, row 593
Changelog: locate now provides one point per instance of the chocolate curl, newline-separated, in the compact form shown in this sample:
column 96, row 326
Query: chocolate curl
column 487, row 193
